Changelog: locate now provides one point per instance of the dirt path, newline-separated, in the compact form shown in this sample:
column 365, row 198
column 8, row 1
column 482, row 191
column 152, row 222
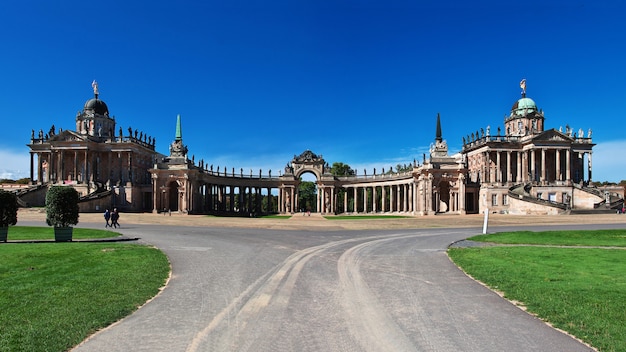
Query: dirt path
column 317, row 222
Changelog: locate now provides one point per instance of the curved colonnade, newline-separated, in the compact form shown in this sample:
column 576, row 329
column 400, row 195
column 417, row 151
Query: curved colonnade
column 237, row 195
column 193, row 189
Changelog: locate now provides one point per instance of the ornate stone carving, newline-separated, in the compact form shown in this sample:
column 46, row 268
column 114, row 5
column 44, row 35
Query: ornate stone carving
column 307, row 157
column 177, row 149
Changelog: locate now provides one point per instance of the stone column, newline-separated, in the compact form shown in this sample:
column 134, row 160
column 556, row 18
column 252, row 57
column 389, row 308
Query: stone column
column 406, row 197
column 59, row 168
column 155, row 179
column 568, row 170
column 39, row 169
column 543, row 166
column 345, row 200
column 365, row 200
column 391, row 199
column 32, row 170
column 429, row 194
column 485, row 168
column 462, row 193
column 374, row 200
column 557, row 156
column 509, row 174
column 411, row 196
column 589, row 166
column 498, row 174
column 532, row 165
column 119, row 162
column 398, row 199
column 75, row 171
column 518, row 178
column 383, row 201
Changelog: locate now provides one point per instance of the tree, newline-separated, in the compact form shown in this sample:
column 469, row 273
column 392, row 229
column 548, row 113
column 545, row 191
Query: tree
column 341, row 169
column 404, row 167
column 23, row 181
column 307, row 196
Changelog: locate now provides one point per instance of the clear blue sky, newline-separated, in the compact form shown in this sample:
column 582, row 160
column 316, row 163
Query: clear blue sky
column 360, row 82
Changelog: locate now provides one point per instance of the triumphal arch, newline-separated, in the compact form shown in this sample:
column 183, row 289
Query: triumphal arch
column 522, row 168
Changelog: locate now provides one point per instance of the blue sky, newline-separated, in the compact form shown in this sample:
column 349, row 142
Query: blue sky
column 360, row 82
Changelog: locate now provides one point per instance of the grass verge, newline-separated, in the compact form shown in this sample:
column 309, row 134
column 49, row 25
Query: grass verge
column 54, row 295
column 603, row 238
column 47, row 233
column 579, row 290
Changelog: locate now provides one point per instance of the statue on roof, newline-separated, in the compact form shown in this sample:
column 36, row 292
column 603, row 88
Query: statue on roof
column 522, row 84
column 94, row 85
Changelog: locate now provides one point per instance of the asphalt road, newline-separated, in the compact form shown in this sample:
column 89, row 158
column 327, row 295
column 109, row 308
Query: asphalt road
column 275, row 290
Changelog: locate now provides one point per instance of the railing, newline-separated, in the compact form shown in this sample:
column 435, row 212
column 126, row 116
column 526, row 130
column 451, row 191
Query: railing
column 534, row 200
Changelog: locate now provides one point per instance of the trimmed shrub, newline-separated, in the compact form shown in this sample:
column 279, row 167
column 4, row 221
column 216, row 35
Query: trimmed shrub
column 8, row 208
column 62, row 206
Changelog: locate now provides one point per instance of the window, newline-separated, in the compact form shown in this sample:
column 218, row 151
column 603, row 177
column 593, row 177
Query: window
column 505, row 200
column 539, row 195
column 494, row 199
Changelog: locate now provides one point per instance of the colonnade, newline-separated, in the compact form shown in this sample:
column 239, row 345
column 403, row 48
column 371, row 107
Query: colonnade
column 541, row 165
column 236, row 199
column 84, row 166
column 382, row 198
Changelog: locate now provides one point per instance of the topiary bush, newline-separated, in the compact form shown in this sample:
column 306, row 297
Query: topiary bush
column 62, row 206
column 8, row 208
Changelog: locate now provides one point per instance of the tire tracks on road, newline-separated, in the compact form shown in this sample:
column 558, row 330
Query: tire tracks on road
column 272, row 292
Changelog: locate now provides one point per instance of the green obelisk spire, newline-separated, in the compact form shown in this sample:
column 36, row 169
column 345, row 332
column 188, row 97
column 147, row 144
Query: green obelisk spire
column 179, row 131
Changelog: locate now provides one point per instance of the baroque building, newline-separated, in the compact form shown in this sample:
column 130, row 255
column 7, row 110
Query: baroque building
column 522, row 168
column 106, row 165
column 525, row 168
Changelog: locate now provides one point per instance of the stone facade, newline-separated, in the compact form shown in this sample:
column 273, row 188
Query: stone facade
column 521, row 168
column 106, row 167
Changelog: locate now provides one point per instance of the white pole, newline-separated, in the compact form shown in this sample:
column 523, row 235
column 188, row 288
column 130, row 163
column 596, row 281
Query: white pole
column 485, row 221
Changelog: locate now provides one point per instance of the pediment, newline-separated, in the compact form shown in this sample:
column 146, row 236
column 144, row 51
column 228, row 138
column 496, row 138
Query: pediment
column 67, row 136
column 552, row 135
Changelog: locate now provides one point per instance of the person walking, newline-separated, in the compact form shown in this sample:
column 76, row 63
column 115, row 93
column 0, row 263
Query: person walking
column 107, row 217
column 115, row 216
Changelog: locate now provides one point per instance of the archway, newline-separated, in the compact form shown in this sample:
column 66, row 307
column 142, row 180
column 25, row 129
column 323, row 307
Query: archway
column 305, row 173
column 307, row 193
column 444, row 197
column 173, row 196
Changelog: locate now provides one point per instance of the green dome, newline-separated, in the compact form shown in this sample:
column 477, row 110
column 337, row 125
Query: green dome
column 524, row 105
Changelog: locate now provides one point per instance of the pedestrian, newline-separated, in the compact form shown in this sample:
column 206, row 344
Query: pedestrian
column 115, row 216
column 107, row 216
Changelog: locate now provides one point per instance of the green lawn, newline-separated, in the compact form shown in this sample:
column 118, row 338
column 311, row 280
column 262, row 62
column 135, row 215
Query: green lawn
column 612, row 238
column 579, row 290
column 54, row 295
column 275, row 216
column 47, row 233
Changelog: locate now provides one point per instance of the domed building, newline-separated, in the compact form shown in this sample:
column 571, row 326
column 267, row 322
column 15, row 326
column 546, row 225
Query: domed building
column 107, row 167
column 521, row 168
column 527, row 169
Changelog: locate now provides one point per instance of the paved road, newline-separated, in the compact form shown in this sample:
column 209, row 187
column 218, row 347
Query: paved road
column 274, row 290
